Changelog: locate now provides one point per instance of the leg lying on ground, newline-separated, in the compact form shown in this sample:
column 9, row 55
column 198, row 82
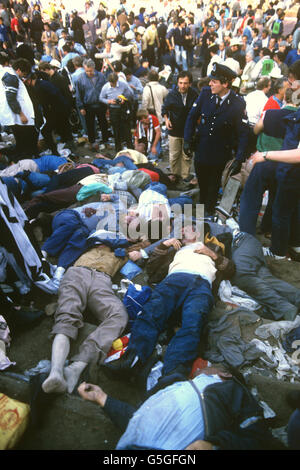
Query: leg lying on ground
column 56, row 383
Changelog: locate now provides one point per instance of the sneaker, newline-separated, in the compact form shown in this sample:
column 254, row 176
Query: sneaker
column 53, row 268
column 232, row 224
column 46, row 284
column 59, row 272
column 267, row 252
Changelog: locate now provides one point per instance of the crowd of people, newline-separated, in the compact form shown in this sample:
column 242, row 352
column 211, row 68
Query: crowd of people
column 180, row 98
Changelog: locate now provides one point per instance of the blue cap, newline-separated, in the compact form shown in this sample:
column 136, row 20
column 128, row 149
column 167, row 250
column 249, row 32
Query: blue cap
column 46, row 58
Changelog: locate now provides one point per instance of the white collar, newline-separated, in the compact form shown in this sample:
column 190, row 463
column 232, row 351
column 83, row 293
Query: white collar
column 223, row 98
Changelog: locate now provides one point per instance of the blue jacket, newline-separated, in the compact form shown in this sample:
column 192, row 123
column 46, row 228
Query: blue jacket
column 217, row 131
column 176, row 111
column 290, row 172
column 292, row 57
column 88, row 90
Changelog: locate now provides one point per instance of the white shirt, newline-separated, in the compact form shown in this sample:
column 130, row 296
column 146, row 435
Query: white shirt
column 233, row 65
column 255, row 103
column 117, row 51
column 223, row 98
column 91, row 14
column 187, row 261
column 112, row 32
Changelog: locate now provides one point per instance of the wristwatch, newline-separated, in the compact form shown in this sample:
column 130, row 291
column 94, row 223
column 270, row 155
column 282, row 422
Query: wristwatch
column 265, row 155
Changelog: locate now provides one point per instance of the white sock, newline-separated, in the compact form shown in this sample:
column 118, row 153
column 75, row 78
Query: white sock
column 296, row 249
column 72, row 374
column 56, row 383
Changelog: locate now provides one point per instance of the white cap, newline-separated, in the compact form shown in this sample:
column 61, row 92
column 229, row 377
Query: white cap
column 276, row 73
column 141, row 29
column 55, row 63
column 129, row 35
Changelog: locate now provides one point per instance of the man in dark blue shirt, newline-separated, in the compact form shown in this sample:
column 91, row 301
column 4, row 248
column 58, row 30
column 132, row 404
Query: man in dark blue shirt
column 175, row 109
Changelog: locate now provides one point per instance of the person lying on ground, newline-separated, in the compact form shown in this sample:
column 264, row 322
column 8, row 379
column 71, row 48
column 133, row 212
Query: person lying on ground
column 187, row 288
column 172, row 419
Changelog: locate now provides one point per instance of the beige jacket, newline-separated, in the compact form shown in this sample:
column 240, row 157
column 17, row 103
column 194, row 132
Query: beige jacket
column 159, row 93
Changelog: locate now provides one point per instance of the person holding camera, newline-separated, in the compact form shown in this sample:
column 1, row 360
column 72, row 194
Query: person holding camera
column 117, row 95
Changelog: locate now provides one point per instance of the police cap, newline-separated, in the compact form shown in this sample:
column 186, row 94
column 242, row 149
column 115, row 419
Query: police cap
column 221, row 72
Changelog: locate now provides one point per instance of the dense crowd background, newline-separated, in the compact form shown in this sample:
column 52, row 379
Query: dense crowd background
column 131, row 41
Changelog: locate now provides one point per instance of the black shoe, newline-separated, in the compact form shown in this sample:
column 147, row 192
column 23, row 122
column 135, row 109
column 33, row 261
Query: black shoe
column 179, row 374
column 126, row 365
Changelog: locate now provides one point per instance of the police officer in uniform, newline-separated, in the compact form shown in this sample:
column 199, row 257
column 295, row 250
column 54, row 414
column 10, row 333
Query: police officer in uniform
column 215, row 126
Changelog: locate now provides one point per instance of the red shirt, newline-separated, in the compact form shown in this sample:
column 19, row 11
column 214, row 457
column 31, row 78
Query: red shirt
column 154, row 176
column 272, row 103
column 14, row 24
column 156, row 125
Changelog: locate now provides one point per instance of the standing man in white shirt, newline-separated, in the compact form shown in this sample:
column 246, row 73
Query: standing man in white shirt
column 91, row 17
column 255, row 103
column 256, row 100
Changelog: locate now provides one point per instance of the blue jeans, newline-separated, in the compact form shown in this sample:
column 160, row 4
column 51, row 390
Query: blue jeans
column 261, row 178
column 191, row 295
column 153, row 157
column 181, row 56
column 68, row 239
column 285, row 218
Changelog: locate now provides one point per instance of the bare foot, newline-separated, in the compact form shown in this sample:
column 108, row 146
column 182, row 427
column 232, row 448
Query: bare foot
column 55, row 383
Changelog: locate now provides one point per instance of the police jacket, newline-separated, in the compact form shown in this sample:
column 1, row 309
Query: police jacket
column 176, row 111
column 217, row 131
